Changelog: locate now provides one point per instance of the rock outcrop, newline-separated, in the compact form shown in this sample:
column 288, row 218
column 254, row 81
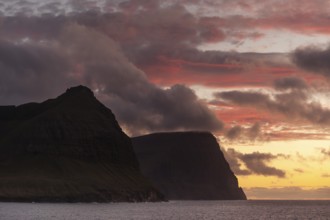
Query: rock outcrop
column 68, row 149
column 187, row 166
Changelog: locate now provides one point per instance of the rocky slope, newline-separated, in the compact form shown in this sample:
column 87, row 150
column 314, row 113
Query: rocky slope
column 68, row 149
column 187, row 166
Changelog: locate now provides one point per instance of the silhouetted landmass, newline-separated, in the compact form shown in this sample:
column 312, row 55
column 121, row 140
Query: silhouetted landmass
column 68, row 149
column 187, row 166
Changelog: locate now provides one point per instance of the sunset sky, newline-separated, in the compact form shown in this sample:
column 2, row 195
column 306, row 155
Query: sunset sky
column 255, row 73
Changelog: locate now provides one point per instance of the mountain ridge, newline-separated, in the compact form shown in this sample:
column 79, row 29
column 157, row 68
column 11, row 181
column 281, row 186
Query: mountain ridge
column 70, row 148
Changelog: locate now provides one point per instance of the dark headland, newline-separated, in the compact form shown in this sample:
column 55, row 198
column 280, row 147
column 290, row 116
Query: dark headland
column 72, row 149
column 187, row 166
column 68, row 149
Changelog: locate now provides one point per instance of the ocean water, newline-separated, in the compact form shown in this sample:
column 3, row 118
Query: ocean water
column 169, row 210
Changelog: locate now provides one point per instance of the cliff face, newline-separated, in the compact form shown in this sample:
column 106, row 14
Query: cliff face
column 68, row 149
column 187, row 166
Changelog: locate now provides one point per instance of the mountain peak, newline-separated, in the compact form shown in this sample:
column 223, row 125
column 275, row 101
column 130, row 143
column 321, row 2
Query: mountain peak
column 79, row 89
column 70, row 148
column 78, row 96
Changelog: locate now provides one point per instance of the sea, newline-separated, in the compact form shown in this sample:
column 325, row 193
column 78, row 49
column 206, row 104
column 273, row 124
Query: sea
column 185, row 210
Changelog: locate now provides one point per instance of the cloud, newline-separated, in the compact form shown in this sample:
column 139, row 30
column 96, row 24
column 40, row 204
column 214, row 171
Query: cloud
column 124, row 47
column 254, row 132
column 313, row 59
column 255, row 163
column 162, row 39
column 299, row 170
column 95, row 49
column 249, row 134
column 325, row 152
column 163, row 26
column 234, row 132
column 290, row 83
column 211, row 68
column 235, row 163
column 28, row 71
column 107, row 50
column 57, row 7
column 84, row 56
column 288, row 193
column 238, row 19
column 301, row 16
column 246, row 98
column 133, row 98
column 295, row 103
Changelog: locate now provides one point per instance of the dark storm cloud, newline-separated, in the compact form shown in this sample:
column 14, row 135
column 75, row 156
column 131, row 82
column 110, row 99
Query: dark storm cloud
column 159, row 38
column 108, row 49
column 83, row 55
column 243, row 134
column 290, row 83
column 29, row 71
column 313, row 59
column 103, row 51
column 171, row 26
column 57, row 7
column 45, row 27
column 255, row 163
column 294, row 103
column 134, row 99
column 254, row 132
column 234, row 162
column 234, row 132
column 146, row 35
column 245, row 98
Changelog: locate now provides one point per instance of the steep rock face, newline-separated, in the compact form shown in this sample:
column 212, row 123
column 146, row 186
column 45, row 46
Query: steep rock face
column 68, row 149
column 187, row 166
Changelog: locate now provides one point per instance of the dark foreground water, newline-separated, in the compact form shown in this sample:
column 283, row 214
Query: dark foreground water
column 171, row 210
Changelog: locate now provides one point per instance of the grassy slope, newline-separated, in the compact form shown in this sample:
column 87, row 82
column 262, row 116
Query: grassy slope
column 42, row 178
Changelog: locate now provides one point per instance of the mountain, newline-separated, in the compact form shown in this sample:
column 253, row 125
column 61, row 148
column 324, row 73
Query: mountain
column 187, row 166
column 68, row 149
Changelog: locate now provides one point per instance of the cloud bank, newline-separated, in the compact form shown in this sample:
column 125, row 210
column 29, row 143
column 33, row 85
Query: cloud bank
column 255, row 163
column 246, row 134
column 141, row 56
column 292, row 100
column 40, row 56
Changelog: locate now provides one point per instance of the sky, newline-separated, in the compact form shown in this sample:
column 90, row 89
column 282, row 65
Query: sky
column 254, row 73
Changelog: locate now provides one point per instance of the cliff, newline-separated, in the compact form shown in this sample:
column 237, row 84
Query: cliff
column 187, row 166
column 68, row 149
